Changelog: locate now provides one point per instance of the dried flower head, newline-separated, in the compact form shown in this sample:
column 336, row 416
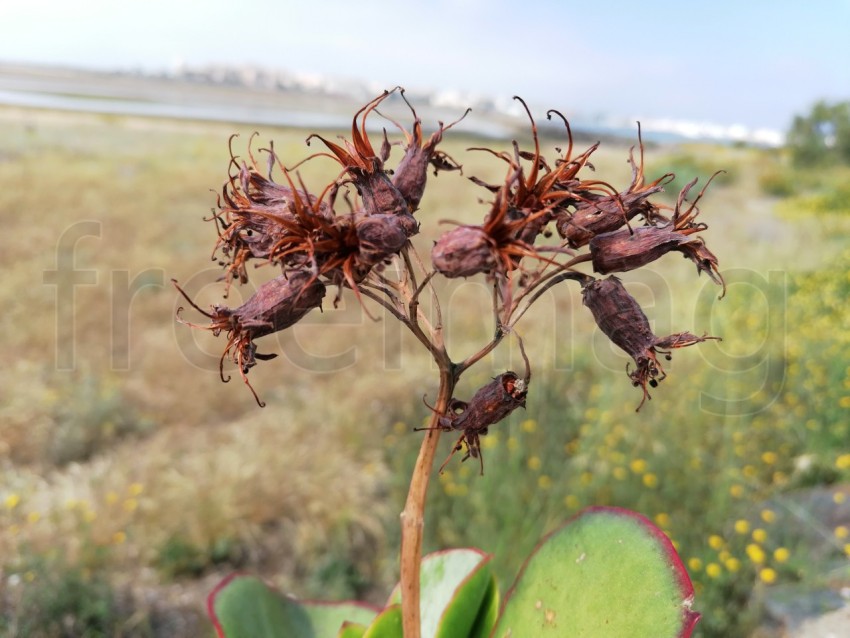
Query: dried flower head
column 255, row 213
column 541, row 189
column 411, row 174
column 492, row 247
column 277, row 304
column 604, row 213
column 364, row 168
column 628, row 249
column 623, row 321
column 489, row 405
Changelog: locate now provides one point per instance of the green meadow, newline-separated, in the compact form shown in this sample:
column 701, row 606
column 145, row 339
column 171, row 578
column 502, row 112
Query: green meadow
column 132, row 479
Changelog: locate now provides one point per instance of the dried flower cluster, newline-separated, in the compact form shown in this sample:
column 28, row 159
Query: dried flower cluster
column 490, row 404
column 546, row 219
column 303, row 234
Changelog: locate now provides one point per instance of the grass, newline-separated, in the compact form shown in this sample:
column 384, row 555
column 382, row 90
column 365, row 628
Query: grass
column 140, row 468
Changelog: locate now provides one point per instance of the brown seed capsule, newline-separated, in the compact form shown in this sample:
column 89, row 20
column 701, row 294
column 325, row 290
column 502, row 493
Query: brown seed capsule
column 463, row 251
column 277, row 304
column 625, row 249
column 379, row 237
column 622, row 251
column 598, row 214
column 410, row 175
column 365, row 169
column 535, row 196
column 623, row 321
column 492, row 247
column 489, row 405
column 254, row 213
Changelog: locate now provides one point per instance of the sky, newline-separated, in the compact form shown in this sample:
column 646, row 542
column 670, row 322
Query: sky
column 729, row 62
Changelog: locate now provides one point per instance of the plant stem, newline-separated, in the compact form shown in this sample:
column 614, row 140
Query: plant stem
column 413, row 516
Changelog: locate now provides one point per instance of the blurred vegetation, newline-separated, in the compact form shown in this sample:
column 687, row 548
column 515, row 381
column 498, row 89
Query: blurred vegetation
column 822, row 137
column 152, row 475
column 65, row 600
column 694, row 162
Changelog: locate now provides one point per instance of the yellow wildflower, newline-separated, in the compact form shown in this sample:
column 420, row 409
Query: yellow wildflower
column 755, row 553
column 650, row 480
column 713, row 570
column 769, row 458
column 732, row 564
column 767, row 575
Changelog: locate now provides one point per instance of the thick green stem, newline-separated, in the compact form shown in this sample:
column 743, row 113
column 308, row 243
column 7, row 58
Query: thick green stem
column 413, row 516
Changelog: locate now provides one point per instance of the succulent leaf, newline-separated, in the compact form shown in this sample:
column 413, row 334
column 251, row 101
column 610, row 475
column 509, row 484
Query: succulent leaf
column 454, row 585
column 607, row 572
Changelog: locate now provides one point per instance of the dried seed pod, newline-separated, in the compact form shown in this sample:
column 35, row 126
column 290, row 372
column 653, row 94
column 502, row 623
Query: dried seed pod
column 365, row 169
column 379, row 237
column 255, row 213
column 277, row 304
column 341, row 249
column 622, row 251
column 534, row 198
column 625, row 249
column 410, row 175
column 490, row 248
column 464, row 251
column 598, row 214
column 623, row 321
column 489, row 405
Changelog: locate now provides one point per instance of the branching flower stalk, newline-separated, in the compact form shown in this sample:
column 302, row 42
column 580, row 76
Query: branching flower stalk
column 367, row 249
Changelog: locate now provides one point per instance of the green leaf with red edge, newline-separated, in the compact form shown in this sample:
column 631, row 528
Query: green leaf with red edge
column 327, row 618
column 455, row 584
column 488, row 612
column 387, row 624
column 607, row 572
column 351, row 630
column 244, row 606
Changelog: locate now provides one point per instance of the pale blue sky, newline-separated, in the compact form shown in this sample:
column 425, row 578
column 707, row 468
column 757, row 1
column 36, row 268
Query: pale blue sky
column 726, row 61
